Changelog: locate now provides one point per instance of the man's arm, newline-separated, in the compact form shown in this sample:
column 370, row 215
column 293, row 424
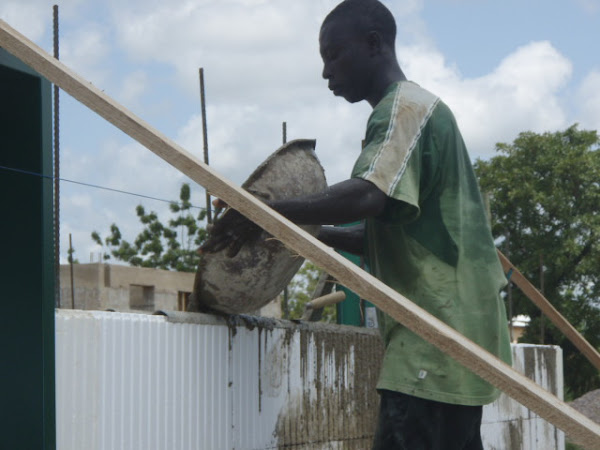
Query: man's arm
column 346, row 202
column 347, row 239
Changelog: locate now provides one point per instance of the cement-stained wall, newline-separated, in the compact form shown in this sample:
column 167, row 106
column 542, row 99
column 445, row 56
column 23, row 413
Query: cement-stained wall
column 193, row 381
column 520, row 428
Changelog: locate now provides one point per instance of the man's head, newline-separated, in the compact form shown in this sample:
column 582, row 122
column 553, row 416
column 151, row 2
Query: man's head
column 357, row 46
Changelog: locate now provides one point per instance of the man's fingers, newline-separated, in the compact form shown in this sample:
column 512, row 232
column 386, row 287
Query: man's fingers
column 230, row 232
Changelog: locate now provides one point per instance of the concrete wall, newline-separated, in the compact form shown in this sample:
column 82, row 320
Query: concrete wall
column 193, row 381
column 88, row 280
column 105, row 286
column 123, row 288
column 522, row 429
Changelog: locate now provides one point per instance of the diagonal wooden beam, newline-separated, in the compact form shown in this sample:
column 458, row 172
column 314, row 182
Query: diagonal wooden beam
column 578, row 427
column 550, row 311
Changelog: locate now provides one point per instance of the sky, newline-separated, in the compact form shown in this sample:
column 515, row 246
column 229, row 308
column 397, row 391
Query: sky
column 502, row 67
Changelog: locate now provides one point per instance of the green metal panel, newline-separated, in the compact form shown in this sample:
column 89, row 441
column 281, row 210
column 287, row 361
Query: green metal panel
column 349, row 311
column 27, row 414
column 352, row 311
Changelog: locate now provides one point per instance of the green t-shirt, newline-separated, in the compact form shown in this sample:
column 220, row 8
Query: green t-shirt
column 432, row 244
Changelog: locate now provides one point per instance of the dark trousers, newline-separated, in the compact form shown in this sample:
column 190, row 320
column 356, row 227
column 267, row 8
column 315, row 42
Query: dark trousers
column 410, row 423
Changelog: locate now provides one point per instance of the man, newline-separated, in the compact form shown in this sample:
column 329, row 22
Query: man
column 425, row 233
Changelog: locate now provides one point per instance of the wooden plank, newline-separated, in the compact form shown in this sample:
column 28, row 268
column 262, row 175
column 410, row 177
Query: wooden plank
column 578, row 427
column 549, row 311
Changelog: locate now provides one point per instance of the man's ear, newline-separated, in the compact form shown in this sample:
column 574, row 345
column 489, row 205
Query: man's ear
column 374, row 42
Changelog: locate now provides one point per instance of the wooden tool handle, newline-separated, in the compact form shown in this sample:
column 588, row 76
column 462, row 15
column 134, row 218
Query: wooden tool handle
column 326, row 300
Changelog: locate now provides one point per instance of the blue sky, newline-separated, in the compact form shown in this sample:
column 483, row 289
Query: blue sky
column 476, row 34
column 503, row 67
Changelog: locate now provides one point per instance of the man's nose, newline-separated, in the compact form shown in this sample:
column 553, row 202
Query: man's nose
column 326, row 74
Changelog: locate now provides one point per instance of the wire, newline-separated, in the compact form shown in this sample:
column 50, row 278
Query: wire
column 81, row 183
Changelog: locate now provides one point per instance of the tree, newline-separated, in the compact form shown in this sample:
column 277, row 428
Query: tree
column 172, row 247
column 545, row 199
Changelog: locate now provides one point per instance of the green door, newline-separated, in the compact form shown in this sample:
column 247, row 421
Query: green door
column 27, row 412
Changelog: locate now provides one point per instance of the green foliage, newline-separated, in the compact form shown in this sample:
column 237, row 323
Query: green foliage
column 545, row 200
column 171, row 247
column 300, row 291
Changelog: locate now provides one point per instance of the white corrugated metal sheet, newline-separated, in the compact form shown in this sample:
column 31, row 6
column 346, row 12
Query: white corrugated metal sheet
column 131, row 381
column 192, row 381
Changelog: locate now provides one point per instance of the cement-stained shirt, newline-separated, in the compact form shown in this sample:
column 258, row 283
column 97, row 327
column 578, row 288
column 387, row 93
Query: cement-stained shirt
column 432, row 244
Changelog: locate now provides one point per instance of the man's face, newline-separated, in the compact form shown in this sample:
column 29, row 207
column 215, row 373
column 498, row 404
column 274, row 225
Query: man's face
column 347, row 64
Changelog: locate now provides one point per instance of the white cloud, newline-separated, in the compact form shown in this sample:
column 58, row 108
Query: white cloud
column 522, row 93
column 85, row 50
column 33, row 18
column 234, row 138
column 248, row 49
column 588, row 97
column 259, row 50
column 27, row 18
column 133, row 86
column 411, row 28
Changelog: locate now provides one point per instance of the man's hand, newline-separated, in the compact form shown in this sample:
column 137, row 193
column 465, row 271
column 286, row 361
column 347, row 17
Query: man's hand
column 231, row 231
